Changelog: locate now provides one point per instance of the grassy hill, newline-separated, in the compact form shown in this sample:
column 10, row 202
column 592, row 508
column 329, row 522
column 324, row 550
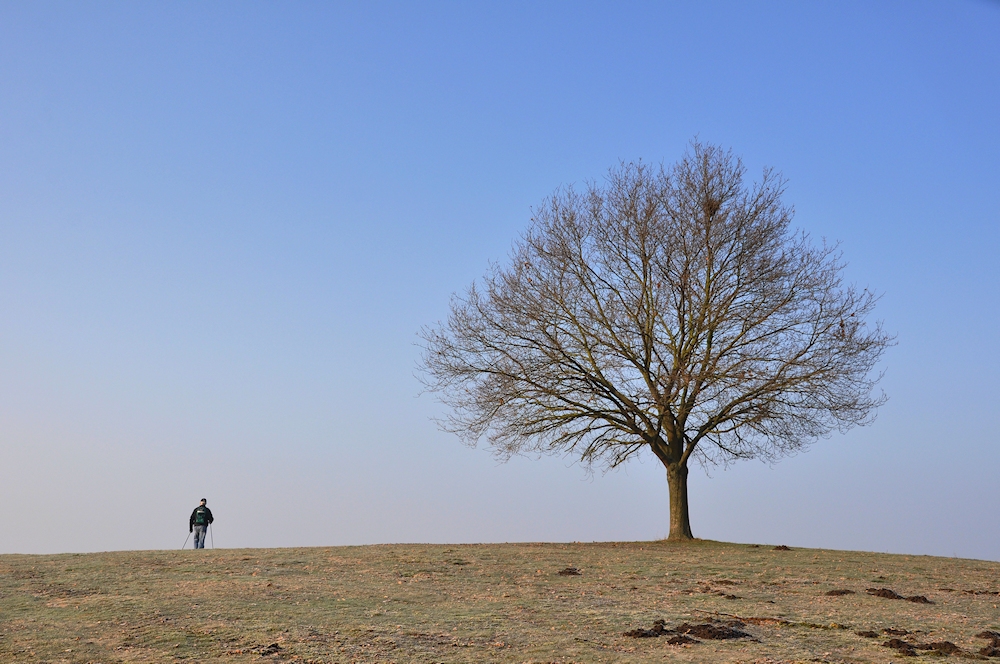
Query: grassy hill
column 495, row 603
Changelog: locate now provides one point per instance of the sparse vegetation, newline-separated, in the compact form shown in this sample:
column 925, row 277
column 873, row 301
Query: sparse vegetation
column 495, row 603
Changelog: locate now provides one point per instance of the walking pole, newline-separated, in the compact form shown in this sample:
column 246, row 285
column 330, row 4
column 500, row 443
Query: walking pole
column 186, row 541
column 211, row 534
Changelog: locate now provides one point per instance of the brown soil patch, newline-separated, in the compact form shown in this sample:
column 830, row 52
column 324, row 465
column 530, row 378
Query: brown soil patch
column 659, row 628
column 937, row 647
column 839, row 592
column 681, row 639
column 991, row 649
column 892, row 594
column 943, row 647
column 901, row 646
column 715, row 632
column 884, row 592
column 918, row 599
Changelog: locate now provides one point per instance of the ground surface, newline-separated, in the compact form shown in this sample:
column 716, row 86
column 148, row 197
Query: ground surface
column 492, row 603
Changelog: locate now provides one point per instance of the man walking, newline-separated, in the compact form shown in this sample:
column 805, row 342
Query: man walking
column 198, row 524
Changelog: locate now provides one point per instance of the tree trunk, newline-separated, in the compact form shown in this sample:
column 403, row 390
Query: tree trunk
column 680, row 523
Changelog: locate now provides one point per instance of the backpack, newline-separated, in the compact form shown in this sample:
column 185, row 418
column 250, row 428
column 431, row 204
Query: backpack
column 200, row 518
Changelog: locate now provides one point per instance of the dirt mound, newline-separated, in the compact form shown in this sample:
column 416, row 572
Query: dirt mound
column 919, row 599
column 838, row 592
column 910, row 649
column 868, row 634
column 943, row 647
column 892, row 631
column 781, row 547
column 710, row 631
column 659, row 628
column 892, row 594
column 570, row 571
column 681, row 639
column 683, row 633
column 902, row 647
column 884, row 592
column 992, row 649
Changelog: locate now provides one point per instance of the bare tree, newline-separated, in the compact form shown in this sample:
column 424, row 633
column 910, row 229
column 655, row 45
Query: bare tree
column 671, row 309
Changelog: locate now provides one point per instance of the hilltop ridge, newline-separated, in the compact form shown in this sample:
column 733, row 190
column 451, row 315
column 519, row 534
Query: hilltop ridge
column 532, row 602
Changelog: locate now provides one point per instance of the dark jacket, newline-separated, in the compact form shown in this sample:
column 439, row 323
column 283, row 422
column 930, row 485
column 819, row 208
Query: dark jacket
column 208, row 516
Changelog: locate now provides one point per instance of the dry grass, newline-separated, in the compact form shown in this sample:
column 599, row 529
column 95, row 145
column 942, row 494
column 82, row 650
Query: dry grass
column 484, row 603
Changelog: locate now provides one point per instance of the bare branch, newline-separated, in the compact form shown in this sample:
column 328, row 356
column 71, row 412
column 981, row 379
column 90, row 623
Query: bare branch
column 672, row 309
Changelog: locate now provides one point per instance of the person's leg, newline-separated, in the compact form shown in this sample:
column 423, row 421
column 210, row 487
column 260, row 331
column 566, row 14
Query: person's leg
column 199, row 537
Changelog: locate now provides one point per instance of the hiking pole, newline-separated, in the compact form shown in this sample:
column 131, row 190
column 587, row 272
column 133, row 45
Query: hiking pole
column 211, row 534
column 186, row 541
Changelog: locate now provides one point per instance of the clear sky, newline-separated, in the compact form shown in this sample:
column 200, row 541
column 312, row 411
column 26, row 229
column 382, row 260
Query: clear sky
column 222, row 224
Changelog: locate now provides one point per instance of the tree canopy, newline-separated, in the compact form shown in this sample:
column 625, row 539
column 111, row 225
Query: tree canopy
column 672, row 309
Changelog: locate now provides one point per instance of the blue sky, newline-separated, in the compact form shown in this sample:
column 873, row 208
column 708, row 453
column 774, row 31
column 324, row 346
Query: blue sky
column 221, row 226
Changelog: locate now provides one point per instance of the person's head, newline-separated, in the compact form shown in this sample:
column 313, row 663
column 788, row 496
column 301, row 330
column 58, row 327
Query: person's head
column 203, row 501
